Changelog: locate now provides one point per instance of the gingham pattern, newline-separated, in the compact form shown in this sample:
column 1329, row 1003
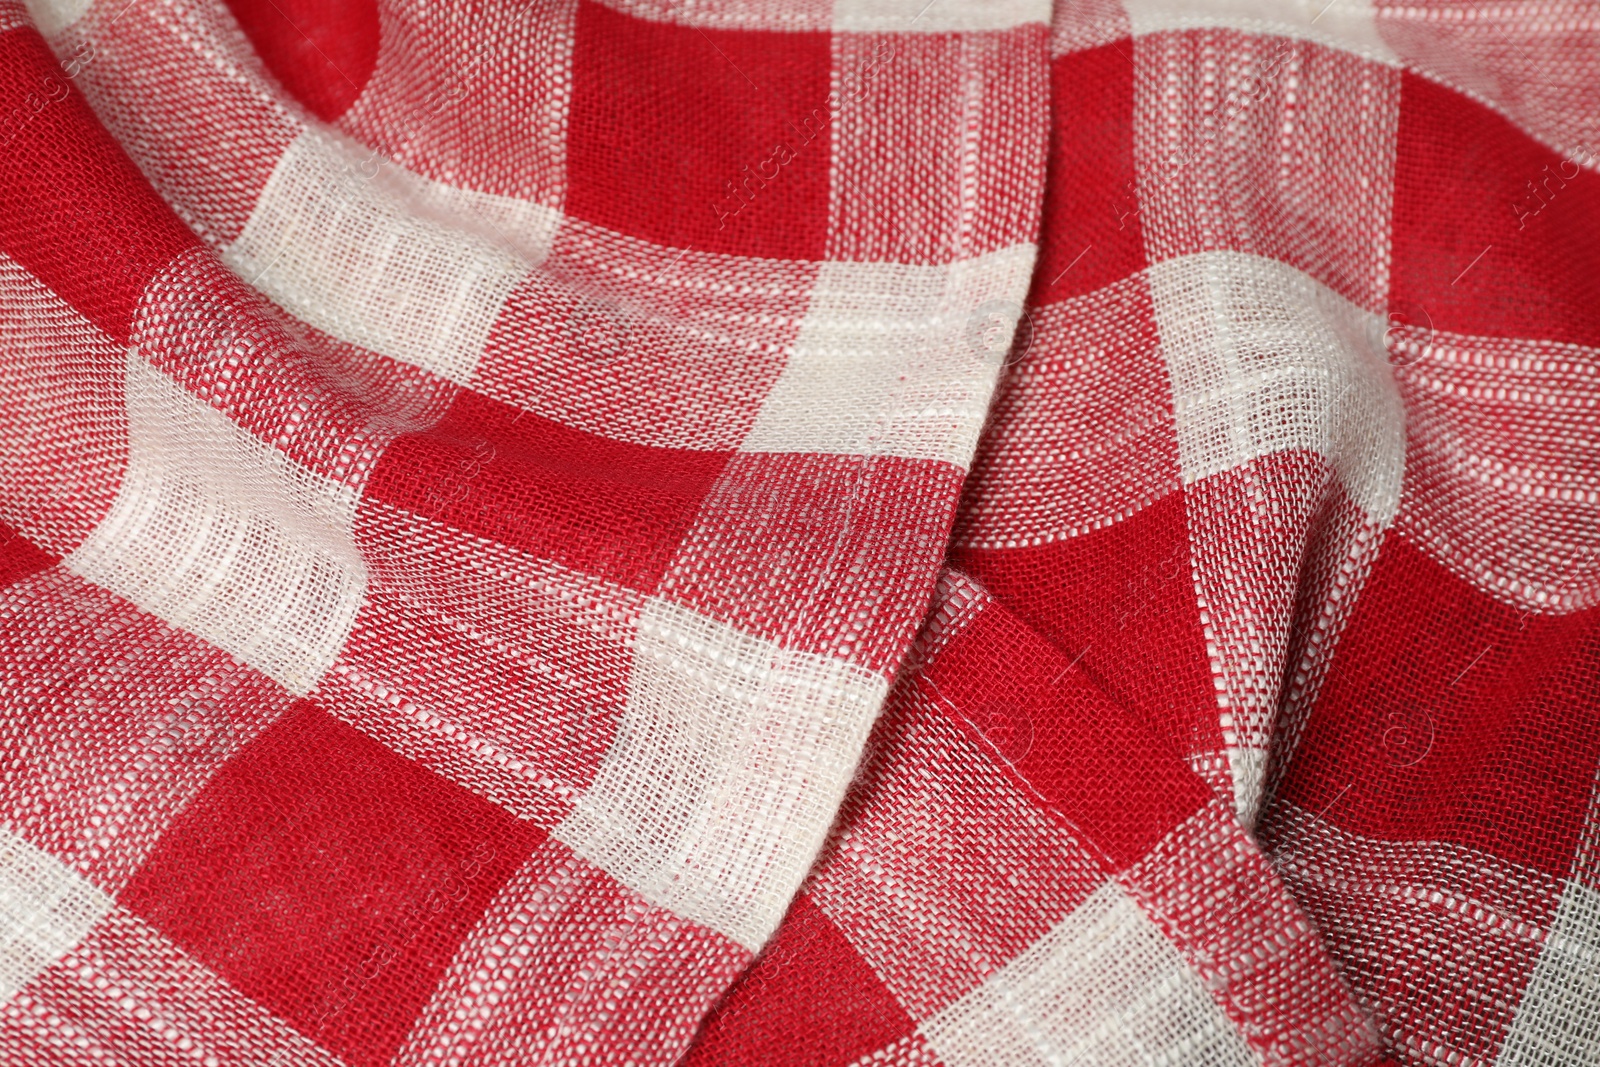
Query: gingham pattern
column 1293, row 469
column 471, row 476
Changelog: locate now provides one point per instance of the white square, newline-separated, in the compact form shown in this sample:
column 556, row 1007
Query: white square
column 53, row 16
column 727, row 769
column 1086, row 24
column 936, row 16
column 1503, row 491
column 1558, row 1020
column 1103, row 987
column 353, row 245
column 1264, row 359
column 217, row 533
column 1346, row 24
column 896, row 360
column 45, row 909
column 782, row 16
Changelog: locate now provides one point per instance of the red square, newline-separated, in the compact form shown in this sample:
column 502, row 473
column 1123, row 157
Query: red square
column 74, row 210
column 1116, row 783
column 1124, row 598
column 608, row 508
column 322, row 52
column 1494, row 234
column 329, row 879
column 1091, row 235
column 20, row 557
column 675, row 131
column 1451, row 717
column 809, row 999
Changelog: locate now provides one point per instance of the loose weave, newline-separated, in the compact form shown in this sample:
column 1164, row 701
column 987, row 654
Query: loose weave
column 898, row 533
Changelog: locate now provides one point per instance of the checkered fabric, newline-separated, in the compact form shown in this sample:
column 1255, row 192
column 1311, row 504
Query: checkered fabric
column 799, row 532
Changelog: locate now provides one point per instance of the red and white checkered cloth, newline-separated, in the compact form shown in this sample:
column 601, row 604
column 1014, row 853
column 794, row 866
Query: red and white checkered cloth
column 799, row 532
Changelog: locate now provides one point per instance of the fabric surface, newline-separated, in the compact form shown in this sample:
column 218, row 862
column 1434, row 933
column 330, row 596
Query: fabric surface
column 799, row 532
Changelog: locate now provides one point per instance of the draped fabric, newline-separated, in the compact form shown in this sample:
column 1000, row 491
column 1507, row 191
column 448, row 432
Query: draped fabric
column 799, row 532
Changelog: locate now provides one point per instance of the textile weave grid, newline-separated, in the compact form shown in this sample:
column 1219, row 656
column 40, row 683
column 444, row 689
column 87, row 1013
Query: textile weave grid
column 799, row 532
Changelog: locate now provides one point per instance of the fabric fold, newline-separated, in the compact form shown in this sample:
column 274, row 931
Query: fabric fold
column 821, row 532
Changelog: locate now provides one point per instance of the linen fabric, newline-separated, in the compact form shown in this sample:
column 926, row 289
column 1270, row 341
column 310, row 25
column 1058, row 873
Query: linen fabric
column 799, row 532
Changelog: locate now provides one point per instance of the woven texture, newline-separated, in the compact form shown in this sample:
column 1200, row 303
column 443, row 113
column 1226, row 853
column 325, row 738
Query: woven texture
column 799, row 532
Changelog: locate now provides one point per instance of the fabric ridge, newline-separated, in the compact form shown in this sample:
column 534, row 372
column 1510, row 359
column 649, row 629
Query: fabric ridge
column 937, row 533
